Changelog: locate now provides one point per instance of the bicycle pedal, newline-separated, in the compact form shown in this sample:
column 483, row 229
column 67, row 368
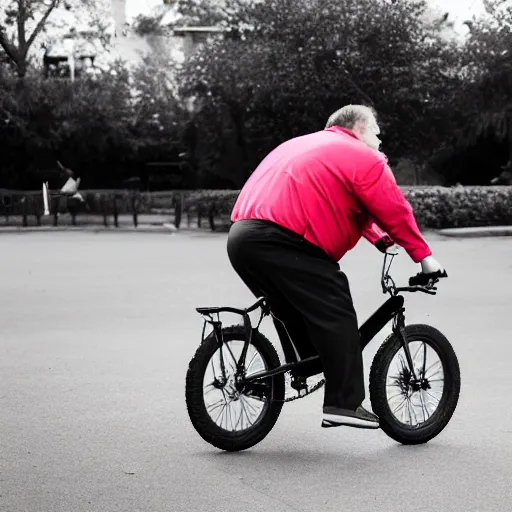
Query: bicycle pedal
column 299, row 383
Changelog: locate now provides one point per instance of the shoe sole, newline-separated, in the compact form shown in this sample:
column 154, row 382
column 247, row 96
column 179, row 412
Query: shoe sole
column 331, row 420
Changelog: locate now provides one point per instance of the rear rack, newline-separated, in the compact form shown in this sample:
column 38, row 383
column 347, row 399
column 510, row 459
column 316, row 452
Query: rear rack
column 261, row 302
column 207, row 312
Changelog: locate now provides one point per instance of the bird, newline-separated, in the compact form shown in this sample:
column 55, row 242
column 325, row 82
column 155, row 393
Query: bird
column 70, row 188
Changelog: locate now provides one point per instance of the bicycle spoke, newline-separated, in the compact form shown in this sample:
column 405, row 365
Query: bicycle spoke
column 403, row 411
column 432, row 366
column 251, row 362
column 249, row 405
column 413, row 409
column 246, row 413
column 437, row 395
column 409, row 411
column 233, row 411
column 230, row 418
column 239, row 418
column 222, row 410
column 418, row 350
column 230, row 352
column 215, row 405
column 212, row 386
column 232, row 367
column 431, row 396
column 395, row 396
column 423, row 407
column 401, row 404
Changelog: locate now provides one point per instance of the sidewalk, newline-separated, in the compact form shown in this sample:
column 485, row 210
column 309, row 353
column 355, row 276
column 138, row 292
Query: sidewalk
column 141, row 228
column 477, row 232
column 147, row 223
column 162, row 224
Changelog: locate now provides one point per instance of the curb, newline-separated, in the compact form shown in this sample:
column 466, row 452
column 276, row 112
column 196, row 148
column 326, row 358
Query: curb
column 477, row 232
column 142, row 228
column 90, row 229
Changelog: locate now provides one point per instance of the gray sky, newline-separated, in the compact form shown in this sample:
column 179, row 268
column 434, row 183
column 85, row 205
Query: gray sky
column 458, row 8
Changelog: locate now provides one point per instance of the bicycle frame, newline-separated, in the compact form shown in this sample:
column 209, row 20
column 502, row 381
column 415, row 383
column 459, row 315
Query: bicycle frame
column 392, row 309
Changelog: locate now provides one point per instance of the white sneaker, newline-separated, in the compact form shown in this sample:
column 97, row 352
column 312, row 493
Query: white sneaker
column 360, row 418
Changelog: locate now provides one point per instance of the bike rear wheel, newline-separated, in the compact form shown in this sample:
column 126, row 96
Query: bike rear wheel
column 415, row 412
column 226, row 417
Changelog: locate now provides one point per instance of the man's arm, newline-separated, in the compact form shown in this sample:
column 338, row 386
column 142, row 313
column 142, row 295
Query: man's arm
column 376, row 236
column 378, row 192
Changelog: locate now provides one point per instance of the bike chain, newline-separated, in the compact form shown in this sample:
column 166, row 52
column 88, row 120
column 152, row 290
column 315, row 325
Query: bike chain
column 316, row 387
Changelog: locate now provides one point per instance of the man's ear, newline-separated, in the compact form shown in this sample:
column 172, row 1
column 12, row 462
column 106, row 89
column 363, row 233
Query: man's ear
column 359, row 128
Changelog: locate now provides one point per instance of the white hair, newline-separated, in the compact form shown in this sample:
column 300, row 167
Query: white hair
column 349, row 115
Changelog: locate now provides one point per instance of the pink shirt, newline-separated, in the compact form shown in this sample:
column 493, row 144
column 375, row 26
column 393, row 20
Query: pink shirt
column 331, row 188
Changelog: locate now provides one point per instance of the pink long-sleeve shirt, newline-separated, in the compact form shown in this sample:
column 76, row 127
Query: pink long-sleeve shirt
column 331, row 188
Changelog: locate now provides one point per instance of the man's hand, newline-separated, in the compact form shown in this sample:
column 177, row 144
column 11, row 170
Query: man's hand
column 384, row 243
column 431, row 272
column 429, row 265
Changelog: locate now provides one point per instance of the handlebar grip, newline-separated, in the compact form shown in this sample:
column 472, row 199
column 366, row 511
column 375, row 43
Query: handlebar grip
column 421, row 279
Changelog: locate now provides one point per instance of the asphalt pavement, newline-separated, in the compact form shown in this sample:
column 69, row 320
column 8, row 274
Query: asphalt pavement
column 96, row 334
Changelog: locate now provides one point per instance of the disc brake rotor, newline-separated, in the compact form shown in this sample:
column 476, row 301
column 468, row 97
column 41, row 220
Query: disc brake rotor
column 413, row 402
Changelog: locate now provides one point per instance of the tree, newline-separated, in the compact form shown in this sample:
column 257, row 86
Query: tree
column 19, row 13
column 284, row 66
column 483, row 102
column 26, row 21
column 105, row 127
column 489, row 61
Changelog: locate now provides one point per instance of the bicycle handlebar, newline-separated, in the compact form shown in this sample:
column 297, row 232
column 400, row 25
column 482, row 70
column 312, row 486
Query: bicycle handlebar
column 421, row 279
column 419, row 283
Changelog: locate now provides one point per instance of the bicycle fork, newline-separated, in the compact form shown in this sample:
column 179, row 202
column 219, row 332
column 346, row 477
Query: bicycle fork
column 399, row 330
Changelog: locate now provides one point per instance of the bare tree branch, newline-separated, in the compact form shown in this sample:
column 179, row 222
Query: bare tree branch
column 8, row 48
column 41, row 23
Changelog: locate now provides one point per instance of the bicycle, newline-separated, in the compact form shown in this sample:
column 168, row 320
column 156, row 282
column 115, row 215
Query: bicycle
column 416, row 383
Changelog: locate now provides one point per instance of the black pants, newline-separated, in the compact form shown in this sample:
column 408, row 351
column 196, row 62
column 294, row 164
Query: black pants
column 311, row 295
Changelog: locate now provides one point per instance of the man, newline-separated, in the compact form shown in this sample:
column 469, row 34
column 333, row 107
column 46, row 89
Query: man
column 308, row 203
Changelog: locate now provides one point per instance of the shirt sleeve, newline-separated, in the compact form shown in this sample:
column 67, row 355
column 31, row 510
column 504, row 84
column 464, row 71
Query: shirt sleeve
column 372, row 232
column 378, row 192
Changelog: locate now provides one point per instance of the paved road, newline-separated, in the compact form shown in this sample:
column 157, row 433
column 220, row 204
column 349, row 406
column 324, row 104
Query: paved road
column 96, row 334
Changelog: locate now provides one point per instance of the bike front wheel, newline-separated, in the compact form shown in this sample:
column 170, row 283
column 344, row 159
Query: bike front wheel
column 415, row 411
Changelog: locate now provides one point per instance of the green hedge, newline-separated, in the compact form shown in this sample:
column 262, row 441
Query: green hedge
column 458, row 207
column 434, row 207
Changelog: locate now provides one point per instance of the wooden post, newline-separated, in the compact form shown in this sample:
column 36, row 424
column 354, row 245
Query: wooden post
column 25, row 207
column 116, row 211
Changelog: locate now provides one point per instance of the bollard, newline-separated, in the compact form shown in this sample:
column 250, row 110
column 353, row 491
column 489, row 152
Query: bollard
column 103, row 200
column 25, row 205
column 211, row 217
column 134, row 211
column 116, row 211
column 56, row 210
column 178, row 205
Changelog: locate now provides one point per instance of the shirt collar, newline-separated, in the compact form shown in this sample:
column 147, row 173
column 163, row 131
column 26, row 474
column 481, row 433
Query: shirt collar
column 339, row 129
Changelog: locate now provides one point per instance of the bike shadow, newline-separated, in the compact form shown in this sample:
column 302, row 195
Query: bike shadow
column 348, row 458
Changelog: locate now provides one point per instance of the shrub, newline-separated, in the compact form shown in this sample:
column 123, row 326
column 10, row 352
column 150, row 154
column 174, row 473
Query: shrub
column 434, row 207
column 441, row 207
